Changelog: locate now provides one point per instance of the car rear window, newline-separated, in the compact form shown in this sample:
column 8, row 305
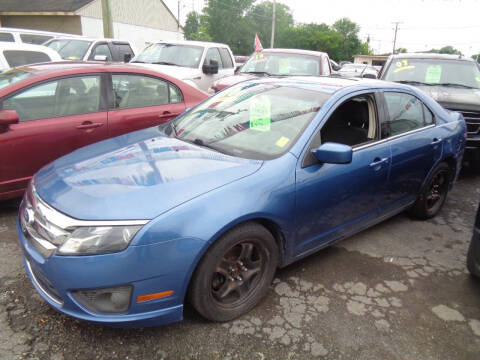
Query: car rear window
column 24, row 57
column 6, row 37
column 35, row 38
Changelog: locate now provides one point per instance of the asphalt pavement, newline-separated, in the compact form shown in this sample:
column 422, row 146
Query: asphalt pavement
column 399, row 290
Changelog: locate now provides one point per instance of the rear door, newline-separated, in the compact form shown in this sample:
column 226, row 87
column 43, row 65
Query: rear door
column 416, row 145
column 139, row 101
column 55, row 118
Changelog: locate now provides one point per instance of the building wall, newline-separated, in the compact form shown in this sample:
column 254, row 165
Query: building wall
column 139, row 36
column 144, row 13
column 63, row 24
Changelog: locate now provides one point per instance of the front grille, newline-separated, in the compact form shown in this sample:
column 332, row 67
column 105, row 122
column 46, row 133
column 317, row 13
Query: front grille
column 472, row 119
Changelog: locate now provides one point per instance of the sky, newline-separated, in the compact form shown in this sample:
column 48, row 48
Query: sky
column 423, row 24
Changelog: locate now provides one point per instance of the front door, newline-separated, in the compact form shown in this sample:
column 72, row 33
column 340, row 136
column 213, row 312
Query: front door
column 333, row 200
column 55, row 118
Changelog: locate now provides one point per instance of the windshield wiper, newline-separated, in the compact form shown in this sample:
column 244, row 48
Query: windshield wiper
column 412, row 82
column 257, row 73
column 138, row 61
column 164, row 63
column 456, row 85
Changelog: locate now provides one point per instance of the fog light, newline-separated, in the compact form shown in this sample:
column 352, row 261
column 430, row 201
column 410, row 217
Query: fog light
column 106, row 301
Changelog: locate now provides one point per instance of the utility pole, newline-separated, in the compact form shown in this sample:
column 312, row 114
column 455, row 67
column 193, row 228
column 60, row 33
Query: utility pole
column 107, row 19
column 178, row 18
column 395, row 36
column 272, row 38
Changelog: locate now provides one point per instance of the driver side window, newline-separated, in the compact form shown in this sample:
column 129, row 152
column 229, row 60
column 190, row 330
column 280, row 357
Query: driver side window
column 353, row 123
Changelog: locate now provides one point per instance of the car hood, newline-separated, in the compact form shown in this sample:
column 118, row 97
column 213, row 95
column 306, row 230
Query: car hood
column 180, row 72
column 456, row 98
column 232, row 80
column 135, row 176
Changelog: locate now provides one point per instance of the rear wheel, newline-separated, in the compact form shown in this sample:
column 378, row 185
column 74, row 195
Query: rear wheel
column 472, row 265
column 433, row 194
column 235, row 273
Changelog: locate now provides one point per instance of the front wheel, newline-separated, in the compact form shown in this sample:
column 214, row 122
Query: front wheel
column 433, row 194
column 235, row 273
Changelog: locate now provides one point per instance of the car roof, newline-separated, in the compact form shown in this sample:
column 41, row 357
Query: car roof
column 190, row 42
column 294, row 51
column 88, row 39
column 326, row 84
column 430, row 56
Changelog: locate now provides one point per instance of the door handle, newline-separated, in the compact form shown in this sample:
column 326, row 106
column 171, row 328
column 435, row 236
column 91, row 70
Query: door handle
column 377, row 162
column 436, row 140
column 167, row 114
column 89, row 125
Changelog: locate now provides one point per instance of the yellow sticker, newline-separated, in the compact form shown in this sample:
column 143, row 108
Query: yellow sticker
column 477, row 78
column 402, row 63
column 72, row 58
column 404, row 68
column 282, row 141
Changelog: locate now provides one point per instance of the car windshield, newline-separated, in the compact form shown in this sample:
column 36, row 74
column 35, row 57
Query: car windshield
column 282, row 64
column 250, row 120
column 171, row 54
column 434, row 72
column 12, row 76
column 70, row 49
column 355, row 67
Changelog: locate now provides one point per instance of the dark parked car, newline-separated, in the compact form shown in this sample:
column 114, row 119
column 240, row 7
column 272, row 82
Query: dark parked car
column 473, row 256
column 278, row 62
column 452, row 80
column 208, row 206
column 51, row 109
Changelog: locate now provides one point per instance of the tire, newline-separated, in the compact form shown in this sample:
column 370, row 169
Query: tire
column 433, row 194
column 235, row 273
column 471, row 264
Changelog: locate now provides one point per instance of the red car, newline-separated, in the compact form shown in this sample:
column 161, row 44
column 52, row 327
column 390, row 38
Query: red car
column 278, row 62
column 48, row 110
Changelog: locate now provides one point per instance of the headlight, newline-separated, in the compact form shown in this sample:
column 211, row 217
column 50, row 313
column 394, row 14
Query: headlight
column 98, row 240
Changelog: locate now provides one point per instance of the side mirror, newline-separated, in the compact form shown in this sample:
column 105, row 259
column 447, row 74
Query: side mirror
column 100, row 58
column 127, row 58
column 333, row 153
column 8, row 117
column 211, row 68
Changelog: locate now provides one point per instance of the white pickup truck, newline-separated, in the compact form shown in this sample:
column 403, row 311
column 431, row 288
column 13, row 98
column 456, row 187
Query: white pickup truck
column 197, row 63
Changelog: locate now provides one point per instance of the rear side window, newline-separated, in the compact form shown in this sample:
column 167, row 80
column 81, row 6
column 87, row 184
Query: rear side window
column 21, row 57
column 226, row 58
column 63, row 97
column 102, row 50
column 405, row 113
column 34, row 38
column 122, row 50
column 6, row 37
column 132, row 91
column 213, row 54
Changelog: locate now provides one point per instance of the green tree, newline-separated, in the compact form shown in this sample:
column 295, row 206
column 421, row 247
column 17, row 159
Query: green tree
column 226, row 22
column 446, row 50
column 351, row 44
column 476, row 57
column 191, row 24
column 260, row 17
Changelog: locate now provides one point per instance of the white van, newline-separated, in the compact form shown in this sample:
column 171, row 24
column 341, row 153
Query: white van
column 27, row 36
column 197, row 63
column 14, row 54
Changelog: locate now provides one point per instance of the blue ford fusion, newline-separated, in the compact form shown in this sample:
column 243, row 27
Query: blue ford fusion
column 206, row 208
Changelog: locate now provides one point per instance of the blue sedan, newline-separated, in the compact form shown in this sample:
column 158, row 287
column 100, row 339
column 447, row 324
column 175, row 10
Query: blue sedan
column 208, row 206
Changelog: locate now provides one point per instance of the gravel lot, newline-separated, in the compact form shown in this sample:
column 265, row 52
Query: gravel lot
column 399, row 290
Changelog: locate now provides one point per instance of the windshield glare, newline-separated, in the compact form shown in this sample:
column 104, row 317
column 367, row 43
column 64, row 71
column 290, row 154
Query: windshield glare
column 70, row 49
column 12, row 76
column 179, row 55
column 251, row 120
column 435, row 71
column 283, row 64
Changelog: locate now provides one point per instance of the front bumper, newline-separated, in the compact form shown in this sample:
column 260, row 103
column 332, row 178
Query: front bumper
column 148, row 269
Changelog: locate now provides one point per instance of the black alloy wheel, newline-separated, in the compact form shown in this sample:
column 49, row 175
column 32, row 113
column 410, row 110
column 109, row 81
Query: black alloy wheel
column 235, row 273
